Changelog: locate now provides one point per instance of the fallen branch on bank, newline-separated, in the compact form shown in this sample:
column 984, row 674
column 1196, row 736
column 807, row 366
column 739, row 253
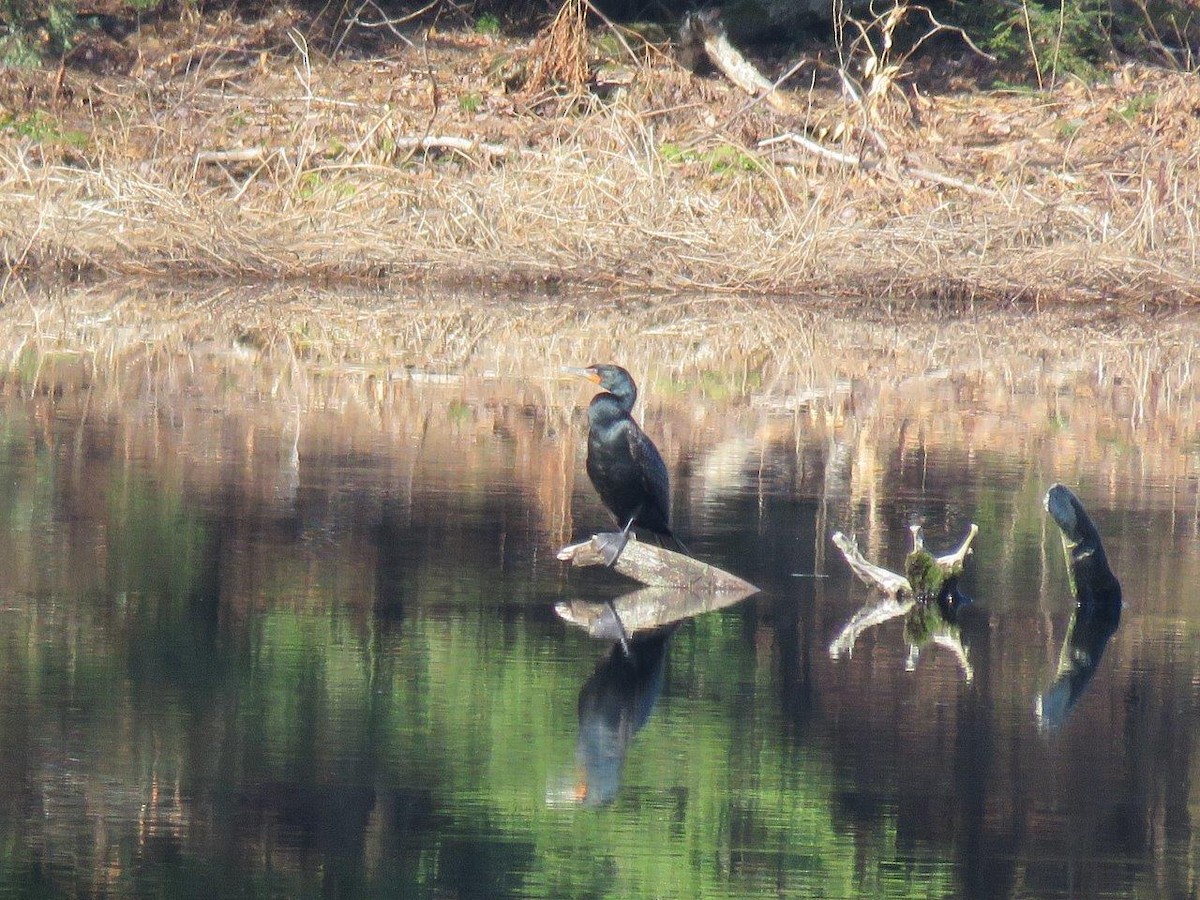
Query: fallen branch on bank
column 706, row 29
column 858, row 162
column 465, row 146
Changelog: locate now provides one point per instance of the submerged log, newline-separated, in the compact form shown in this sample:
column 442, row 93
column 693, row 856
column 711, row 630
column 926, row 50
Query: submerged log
column 1097, row 613
column 927, row 598
column 930, row 574
column 645, row 609
column 652, row 565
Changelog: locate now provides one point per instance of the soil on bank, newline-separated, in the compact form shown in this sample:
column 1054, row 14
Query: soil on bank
column 199, row 146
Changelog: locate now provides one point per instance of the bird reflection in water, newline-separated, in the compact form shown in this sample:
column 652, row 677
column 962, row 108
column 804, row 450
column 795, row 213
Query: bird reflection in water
column 1097, row 613
column 614, row 705
column 616, row 700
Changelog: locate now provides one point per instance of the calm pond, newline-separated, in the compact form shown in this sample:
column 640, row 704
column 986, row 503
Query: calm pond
column 278, row 609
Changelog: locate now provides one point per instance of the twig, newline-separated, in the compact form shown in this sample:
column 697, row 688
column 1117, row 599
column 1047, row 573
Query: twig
column 846, row 159
column 434, row 98
column 465, row 146
column 386, row 22
column 612, row 26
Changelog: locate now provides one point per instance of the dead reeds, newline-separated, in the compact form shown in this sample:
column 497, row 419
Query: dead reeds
column 559, row 55
column 287, row 165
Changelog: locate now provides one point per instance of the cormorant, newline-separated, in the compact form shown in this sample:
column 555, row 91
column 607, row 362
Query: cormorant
column 625, row 467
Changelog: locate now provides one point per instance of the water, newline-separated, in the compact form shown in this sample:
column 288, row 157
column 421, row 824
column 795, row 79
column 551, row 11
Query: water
column 295, row 636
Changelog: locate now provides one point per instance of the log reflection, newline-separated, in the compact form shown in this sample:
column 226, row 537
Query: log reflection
column 644, row 609
column 1097, row 613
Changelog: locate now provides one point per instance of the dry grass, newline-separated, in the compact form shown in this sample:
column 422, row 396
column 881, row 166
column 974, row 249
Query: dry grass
column 246, row 155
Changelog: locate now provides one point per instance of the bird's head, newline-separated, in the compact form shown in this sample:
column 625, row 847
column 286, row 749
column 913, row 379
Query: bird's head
column 612, row 378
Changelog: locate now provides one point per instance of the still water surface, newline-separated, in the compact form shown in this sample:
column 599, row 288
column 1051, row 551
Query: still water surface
column 280, row 642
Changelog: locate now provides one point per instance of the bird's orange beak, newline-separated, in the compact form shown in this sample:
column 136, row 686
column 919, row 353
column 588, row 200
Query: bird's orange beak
column 589, row 373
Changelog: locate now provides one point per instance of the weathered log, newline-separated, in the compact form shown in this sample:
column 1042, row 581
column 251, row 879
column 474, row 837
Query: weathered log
column 926, row 599
column 892, row 583
column 707, row 30
column 645, row 609
column 652, row 565
column 1097, row 613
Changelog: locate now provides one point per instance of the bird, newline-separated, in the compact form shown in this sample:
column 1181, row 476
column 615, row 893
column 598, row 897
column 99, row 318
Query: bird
column 623, row 464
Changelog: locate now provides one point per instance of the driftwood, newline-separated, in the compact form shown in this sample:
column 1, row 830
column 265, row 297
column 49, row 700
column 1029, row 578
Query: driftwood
column 892, row 583
column 652, row 565
column 882, row 579
column 644, row 609
column 919, row 603
column 706, row 29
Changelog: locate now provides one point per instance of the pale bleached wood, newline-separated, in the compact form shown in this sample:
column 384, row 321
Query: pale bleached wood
column 652, row 565
column 644, row 609
column 893, row 583
column 878, row 577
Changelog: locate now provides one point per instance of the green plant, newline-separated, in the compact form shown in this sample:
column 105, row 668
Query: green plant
column 41, row 128
column 470, row 103
column 1050, row 38
column 1129, row 110
column 718, row 160
column 488, row 23
column 1069, row 128
column 29, row 28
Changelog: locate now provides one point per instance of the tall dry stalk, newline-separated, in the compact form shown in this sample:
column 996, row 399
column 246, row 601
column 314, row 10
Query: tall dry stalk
column 559, row 53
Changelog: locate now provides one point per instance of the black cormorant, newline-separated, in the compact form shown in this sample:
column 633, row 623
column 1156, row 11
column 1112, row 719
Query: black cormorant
column 624, row 465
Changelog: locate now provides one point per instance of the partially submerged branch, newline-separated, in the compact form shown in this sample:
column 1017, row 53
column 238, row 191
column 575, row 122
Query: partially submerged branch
column 926, row 598
column 654, row 565
column 893, row 583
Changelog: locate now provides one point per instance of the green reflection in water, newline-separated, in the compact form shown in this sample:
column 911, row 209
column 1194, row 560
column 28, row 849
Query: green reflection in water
column 191, row 742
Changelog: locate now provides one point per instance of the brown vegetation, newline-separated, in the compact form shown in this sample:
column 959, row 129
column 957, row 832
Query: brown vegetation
column 209, row 147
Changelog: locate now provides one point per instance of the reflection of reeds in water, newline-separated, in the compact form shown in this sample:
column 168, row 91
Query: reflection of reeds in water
column 234, row 397
column 458, row 387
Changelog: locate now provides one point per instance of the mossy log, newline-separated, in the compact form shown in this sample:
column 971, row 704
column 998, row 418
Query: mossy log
column 927, row 571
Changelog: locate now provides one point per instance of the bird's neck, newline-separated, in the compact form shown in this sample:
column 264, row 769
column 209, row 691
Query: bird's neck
column 625, row 395
column 606, row 409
